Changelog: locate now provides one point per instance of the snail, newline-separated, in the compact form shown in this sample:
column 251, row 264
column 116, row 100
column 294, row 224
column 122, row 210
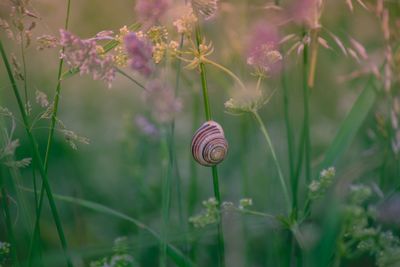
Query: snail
column 209, row 146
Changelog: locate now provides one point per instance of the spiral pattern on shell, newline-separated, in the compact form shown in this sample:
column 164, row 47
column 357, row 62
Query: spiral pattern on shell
column 209, row 146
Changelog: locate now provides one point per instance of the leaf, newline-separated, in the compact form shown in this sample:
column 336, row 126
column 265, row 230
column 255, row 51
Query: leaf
column 350, row 126
column 338, row 42
column 359, row 48
column 287, row 38
column 175, row 254
column 324, row 43
column 361, row 3
column 350, row 5
column 294, row 46
column 300, row 49
column 323, row 252
column 353, row 54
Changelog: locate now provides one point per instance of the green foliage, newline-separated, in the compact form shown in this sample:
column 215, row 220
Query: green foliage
column 363, row 234
column 209, row 216
column 119, row 258
column 245, row 202
column 4, row 252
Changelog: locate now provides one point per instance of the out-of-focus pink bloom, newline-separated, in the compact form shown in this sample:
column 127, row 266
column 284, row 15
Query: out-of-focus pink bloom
column 262, row 51
column 306, row 11
column 83, row 54
column 162, row 101
column 146, row 126
column 140, row 52
column 150, row 11
column 301, row 9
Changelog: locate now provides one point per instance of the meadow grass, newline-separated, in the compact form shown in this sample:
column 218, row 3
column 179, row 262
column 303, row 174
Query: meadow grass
column 296, row 188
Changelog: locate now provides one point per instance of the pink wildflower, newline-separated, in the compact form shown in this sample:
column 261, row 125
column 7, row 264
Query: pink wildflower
column 161, row 98
column 262, row 52
column 83, row 54
column 146, row 127
column 150, row 11
column 140, row 52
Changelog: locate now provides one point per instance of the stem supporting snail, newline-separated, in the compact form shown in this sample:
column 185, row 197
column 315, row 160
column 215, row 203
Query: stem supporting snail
column 221, row 245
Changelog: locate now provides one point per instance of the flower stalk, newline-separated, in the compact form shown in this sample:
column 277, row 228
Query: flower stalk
column 306, row 93
column 221, row 245
column 313, row 57
column 278, row 166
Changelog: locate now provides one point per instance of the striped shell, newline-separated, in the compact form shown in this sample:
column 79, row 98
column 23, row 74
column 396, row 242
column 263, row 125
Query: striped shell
column 209, row 146
column 207, row 8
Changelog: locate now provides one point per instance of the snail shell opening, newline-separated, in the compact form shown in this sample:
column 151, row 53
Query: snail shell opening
column 209, row 146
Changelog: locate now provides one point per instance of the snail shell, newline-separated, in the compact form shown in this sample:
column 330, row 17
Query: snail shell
column 209, row 146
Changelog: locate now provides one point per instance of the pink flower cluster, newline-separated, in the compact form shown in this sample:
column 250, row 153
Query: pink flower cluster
column 161, row 98
column 150, row 11
column 140, row 53
column 146, row 127
column 83, row 54
column 262, row 49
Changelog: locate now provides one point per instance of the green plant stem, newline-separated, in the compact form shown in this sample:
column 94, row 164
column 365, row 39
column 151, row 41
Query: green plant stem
column 166, row 197
column 289, row 138
column 24, row 70
column 123, row 73
column 256, row 213
column 36, row 155
column 307, row 141
column 38, row 245
column 205, row 92
column 244, row 143
column 314, row 55
column 36, row 233
column 56, row 97
column 173, row 156
column 278, row 167
column 174, row 163
column 227, row 71
column 203, row 76
column 7, row 216
column 193, row 187
column 192, row 200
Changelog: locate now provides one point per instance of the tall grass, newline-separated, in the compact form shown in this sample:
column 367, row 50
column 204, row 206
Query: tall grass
column 36, row 233
column 36, row 156
column 323, row 197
